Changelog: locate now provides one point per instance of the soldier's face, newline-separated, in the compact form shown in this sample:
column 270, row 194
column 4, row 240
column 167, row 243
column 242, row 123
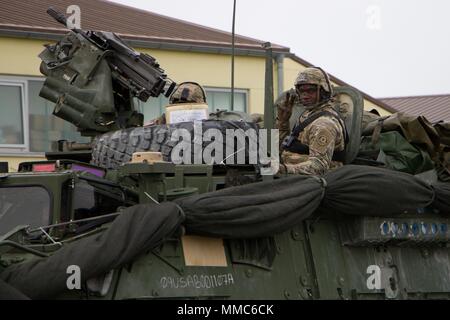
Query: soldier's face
column 307, row 94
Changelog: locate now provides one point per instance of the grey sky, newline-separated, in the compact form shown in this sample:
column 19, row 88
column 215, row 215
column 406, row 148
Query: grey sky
column 383, row 47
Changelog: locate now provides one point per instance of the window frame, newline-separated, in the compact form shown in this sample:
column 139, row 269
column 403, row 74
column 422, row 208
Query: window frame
column 228, row 90
column 22, row 83
column 21, row 150
column 140, row 105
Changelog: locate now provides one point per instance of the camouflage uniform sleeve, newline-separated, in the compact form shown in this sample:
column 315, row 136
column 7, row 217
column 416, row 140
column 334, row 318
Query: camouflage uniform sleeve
column 321, row 137
column 281, row 124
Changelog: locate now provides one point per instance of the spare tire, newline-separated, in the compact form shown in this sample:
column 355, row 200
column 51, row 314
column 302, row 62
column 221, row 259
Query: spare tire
column 115, row 148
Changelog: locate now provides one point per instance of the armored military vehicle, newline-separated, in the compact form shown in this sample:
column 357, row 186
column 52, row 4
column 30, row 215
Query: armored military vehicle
column 93, row 223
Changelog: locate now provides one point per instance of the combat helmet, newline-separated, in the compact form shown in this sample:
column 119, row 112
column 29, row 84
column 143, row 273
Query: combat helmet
column 188, row 92
column 316, row 76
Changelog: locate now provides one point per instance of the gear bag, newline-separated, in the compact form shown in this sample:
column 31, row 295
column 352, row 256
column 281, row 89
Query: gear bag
column 443, row 162
column 410, row 137
column 417, row 130
column 396, row 153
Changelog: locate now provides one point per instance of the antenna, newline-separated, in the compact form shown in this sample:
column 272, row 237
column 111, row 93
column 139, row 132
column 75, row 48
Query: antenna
column 232, row 55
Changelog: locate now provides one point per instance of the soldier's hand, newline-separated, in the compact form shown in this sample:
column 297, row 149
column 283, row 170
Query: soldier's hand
column 285, row 108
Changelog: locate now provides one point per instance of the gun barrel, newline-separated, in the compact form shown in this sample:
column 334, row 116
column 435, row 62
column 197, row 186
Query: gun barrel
column 58, row 16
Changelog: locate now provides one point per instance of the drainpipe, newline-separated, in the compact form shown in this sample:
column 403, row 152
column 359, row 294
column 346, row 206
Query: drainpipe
column 232, row 54
column 269, row 115
column 280, row 73
column 268, row 88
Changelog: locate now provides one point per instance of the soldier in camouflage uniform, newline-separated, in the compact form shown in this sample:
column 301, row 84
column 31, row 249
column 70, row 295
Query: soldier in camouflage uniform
column 319, row 142
column 186, row 92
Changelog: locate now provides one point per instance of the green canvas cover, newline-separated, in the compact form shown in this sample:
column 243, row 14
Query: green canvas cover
column 417, row 130
column 392, row 149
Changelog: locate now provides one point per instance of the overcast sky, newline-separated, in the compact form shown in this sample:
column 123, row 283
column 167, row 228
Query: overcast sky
column 383, row 47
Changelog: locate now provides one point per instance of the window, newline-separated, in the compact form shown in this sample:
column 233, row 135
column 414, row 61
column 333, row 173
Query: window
column 12, row 114
column 45, row 128
column 23, row 206
column 153, row 108
column 26, row 120
column 221, row 99
column 217, row 98
column 27, row 123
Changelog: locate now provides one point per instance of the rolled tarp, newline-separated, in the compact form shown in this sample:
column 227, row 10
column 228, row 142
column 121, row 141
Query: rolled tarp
column 7, row 292
column 253, row 210
column 265, row 208
column 442, row 197
column 372, row 191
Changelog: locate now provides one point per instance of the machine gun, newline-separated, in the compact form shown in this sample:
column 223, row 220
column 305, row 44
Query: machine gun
column 93, row 77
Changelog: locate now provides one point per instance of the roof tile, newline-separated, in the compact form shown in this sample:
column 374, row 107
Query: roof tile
column 118, row 18
column 433, row 107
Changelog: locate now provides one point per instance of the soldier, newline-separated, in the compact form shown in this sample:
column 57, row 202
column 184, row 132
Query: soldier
column 186, row 92
column 316, row 143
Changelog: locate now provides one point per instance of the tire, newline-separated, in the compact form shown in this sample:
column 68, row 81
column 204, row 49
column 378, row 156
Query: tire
column 113, row 149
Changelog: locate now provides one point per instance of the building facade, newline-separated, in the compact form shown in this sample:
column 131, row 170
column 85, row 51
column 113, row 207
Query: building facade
column 186, row 51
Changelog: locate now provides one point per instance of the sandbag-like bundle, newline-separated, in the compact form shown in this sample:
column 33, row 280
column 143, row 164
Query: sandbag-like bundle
column 442, row 197
column 253, row 210
column 370, row 191
column 265, row 208
column 136, row 230
column 8, row 292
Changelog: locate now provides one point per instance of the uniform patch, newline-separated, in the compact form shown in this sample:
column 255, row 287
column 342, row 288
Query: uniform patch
column 323, row 140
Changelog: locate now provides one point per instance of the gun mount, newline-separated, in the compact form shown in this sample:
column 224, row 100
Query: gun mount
column 93, row 76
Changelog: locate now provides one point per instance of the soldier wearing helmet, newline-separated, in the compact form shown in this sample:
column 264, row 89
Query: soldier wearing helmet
column 186, row 92
column 317, row 141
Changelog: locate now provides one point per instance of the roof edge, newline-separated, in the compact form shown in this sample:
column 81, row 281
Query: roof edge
column 53, row 34
column 23, row 31
column 186, row 22
column 414, row 97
